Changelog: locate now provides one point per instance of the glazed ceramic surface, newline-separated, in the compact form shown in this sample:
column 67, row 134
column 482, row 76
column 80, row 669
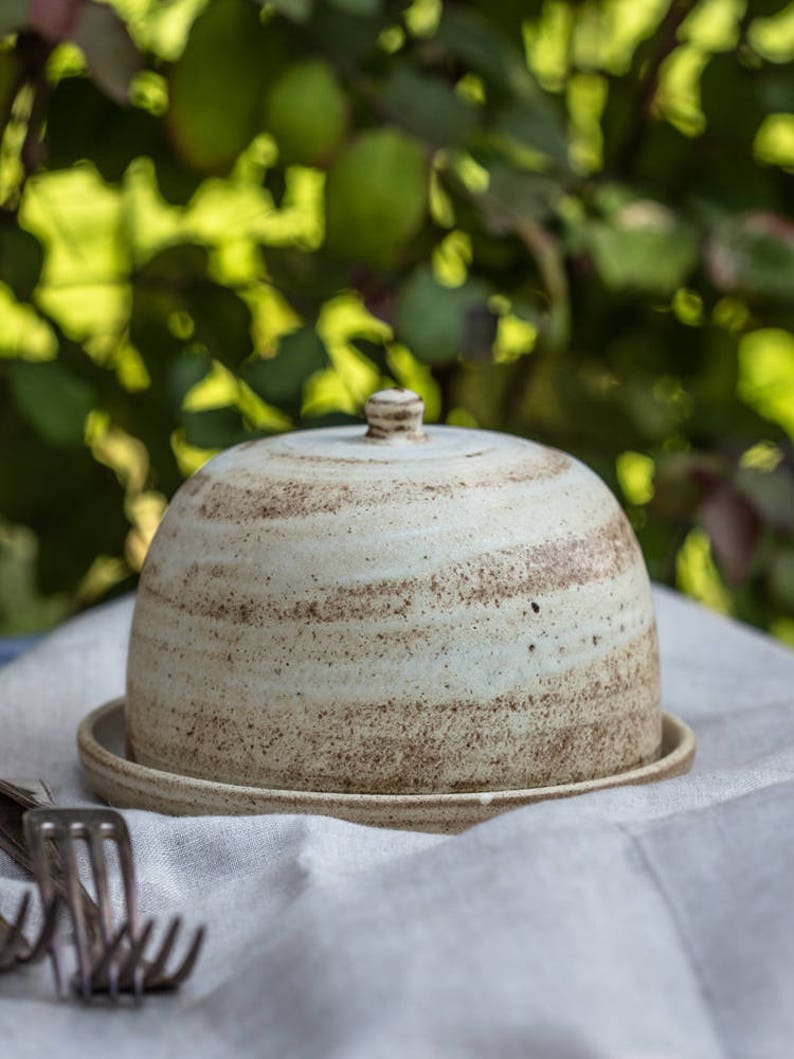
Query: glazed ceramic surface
column 394, row 610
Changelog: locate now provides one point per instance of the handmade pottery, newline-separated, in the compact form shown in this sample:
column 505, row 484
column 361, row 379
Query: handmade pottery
column 397, row 610
column 127, row 784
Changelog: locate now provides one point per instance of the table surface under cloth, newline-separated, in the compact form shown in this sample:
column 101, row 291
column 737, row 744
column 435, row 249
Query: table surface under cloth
column 650, row 922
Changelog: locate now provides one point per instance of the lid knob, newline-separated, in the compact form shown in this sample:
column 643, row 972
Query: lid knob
column 395, row 416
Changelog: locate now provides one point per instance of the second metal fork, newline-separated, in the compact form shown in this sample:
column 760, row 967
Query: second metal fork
column 109, row 959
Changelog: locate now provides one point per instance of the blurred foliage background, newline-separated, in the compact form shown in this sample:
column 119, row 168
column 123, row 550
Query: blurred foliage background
column 573, row 221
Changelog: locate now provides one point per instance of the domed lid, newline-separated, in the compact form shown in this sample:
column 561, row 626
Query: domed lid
column 396, row 446
column 399, row 609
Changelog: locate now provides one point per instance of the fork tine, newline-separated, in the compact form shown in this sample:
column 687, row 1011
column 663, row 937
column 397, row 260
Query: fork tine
column 9, row 953
column 42, row 944
column 110, row 957
column 20, row 920
column 99, row 868
column 174, row 980
column 120, row 834
column 132, row 970
column 34, row 830
column 96, row 852
column 156, row 968
column 75, row 899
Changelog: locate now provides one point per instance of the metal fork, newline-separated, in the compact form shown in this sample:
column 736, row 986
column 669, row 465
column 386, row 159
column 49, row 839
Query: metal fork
column 15, row 949
column 108, row 960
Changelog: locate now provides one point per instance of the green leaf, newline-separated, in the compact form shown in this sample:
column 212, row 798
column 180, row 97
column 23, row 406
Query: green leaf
column 535, row 123
column 216, row 87
column 375, row 352
column 177, row 182
column 82, row 123
column 376, row 196
column 781, row 573
column 307, row 280
column 354, row 36
column 296, row 10
column 185, row 370
column 467, row 36
column 513, row 197
column 509, row 15
column 753, row 253
column 214, row 428
column 13, row 15
column 175, row 266
column 110, row 54
column 307, row 113
column 428, row 107
column 53, row 400
column 10, row 69
column 437, row 323
column 358, row 7
column 223, row 321
column 766, row 8
column 643, row 247
column 772, row 494
column 729, row 99
column 21, row 259
column 279, row 380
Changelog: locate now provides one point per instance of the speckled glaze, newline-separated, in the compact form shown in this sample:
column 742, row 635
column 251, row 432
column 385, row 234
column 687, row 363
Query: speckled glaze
column 403, row 610
column 127, row 784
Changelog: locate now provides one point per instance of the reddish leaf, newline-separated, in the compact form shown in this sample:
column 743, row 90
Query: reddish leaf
column 733, row 525
column 110, row 54
column 55, row 20
column 681, row 481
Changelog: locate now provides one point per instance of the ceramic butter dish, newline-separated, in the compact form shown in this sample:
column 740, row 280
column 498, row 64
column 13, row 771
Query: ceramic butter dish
column 399, row 624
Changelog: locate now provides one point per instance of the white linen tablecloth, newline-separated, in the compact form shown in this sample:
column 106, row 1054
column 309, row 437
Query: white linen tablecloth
column 648, row 922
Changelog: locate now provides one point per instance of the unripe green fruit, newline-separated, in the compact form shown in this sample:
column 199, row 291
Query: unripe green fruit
column 375, row 196
column 216, row 87
column 307, row 113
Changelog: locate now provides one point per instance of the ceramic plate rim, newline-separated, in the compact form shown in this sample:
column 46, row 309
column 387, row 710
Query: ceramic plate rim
column 145, row 785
